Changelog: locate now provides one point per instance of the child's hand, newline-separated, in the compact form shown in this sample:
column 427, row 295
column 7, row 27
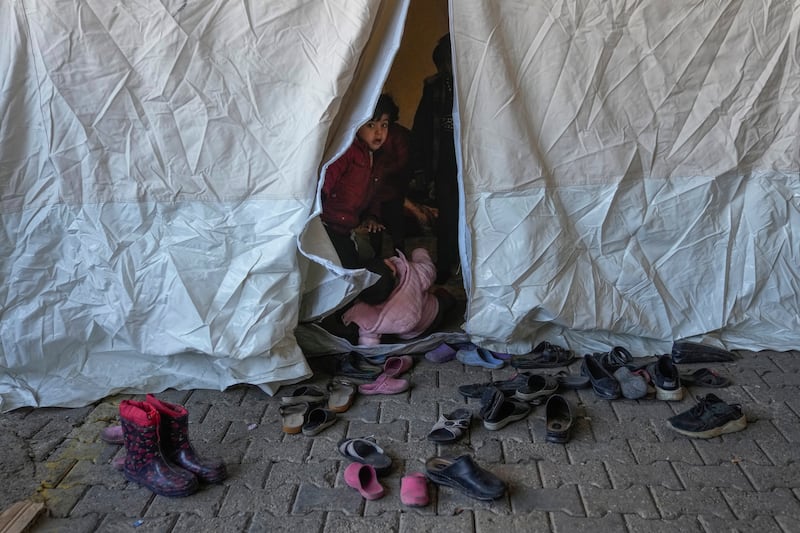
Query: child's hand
column 372, row 225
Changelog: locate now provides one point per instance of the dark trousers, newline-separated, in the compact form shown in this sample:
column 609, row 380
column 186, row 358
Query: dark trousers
column 345, row 248
column 393, row 218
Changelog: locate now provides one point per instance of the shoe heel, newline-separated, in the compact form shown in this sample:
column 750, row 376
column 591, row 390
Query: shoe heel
column 670, row 395
column 734, row 425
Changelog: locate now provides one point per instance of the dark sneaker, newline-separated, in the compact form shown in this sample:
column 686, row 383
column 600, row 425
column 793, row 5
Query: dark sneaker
column 498, row 411
column 508, row 386
column 709, row 418
column 666, row 379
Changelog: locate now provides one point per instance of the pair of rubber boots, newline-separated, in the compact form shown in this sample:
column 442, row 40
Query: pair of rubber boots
column 159, row 455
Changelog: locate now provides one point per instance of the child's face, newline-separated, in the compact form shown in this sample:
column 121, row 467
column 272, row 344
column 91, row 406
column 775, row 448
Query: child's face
column 374, row 132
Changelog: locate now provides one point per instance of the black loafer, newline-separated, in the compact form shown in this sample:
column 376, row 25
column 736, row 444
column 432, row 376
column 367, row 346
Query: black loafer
column 466, row 476
column 559, row 419
column 695, row 352
column 507, row 386
column 603, row 383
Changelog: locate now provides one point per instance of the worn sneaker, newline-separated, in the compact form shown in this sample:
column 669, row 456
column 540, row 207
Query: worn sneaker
column 709, row 418
column 666, row 379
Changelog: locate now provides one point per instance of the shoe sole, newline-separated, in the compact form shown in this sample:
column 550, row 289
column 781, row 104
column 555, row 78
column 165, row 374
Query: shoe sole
column 669, row 395
column 494, row 426
column 730, row 427
column 534, row 396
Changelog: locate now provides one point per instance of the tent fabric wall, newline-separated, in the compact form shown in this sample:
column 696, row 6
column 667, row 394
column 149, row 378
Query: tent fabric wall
column 158, row 161
column 630, row 172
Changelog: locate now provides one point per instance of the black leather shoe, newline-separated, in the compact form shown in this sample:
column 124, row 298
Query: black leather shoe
column 695, row 352
column 603, row 383
column 465, row 475
column 559, row 419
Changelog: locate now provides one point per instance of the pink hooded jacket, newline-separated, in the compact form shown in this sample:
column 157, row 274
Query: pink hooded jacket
column 408, row 311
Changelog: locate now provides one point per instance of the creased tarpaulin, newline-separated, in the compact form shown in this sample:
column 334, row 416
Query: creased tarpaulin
column 630, row 172
column 158, row 161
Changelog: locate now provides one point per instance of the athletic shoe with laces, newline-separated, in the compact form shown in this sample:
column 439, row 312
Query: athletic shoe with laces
column 709, row 418
column 666, row 379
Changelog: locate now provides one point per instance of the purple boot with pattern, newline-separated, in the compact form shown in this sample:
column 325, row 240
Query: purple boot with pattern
column 176, row 446
column 144, row 463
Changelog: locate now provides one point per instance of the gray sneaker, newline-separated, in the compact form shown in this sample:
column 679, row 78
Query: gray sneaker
column 709, row 418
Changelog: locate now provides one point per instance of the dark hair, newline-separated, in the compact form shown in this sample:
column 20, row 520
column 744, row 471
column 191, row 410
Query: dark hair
column 380, row 291
column 386, row 106
column 442, row 55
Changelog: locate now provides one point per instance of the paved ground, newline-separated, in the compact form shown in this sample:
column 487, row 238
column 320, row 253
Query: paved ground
column 623, row 470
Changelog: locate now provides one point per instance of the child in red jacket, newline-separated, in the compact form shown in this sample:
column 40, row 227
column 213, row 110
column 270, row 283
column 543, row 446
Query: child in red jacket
column 348, row 192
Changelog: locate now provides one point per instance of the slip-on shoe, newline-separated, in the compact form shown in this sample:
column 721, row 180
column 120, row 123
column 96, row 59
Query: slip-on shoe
column 498, row 411
column 441, row 354
column 536, row 389
column 364, row 479
column 478, row 356
column 558, row 415
column 605, row 386
column 396, row 365
column 507, row 386
column 366, row 451
column 466, row 476
column 305, row 394
column 696, row 352
column 384, row 385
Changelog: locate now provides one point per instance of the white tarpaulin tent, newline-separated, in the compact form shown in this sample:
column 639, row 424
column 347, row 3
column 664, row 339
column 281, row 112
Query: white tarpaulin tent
column 630, row 176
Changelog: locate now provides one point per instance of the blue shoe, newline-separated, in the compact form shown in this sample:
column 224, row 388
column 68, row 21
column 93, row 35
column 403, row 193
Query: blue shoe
column 479, row 357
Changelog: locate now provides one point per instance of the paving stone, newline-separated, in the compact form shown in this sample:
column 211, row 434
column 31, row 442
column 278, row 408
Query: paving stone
column 564, row 499
column 788, row 426
column 766, row 478
column 722, row 475
column 384, row 432
column 674, row 503
column 262, row 522
column 294, row 450
column 62, row 501
column 94, row 473
column 633, row 500
column 313, row 498
column 460, row 522
column 393, row 411
column 364, row 410
column 778, row 450
column 524, row 452
column 322, row 474
column 564, row 523
column 85, row 524
column 683, row 524
column 555, row 474
column 585, row 452
column 748, row 504
column 275, row 500
column 719, row 450
column 675, row 450
column 656, row 473
column 117, row 524
column 488, row 522
column 787, row 524
column 131, row 501
column 518, row 474
column 340, row 523
column 193, row 522
column 776, row 378
column 450, row 501
column 206, row 503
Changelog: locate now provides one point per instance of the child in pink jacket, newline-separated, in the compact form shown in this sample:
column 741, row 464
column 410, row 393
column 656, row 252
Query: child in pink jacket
column 410, row 310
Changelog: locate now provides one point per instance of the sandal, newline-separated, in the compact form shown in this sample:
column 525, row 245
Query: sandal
column 545, row 355
column 414, row 490
column 317, row 420
column 366, row 451
column 341, row 394
column 305, row 394
column 536, row 389
column 705, row 377
column 293, row 416
column 450, row 427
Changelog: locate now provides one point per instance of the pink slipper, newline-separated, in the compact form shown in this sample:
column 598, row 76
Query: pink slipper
column 364, row 479
column 414, row 490
column 385, row 385
column 441, row 354
column 394, row 366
